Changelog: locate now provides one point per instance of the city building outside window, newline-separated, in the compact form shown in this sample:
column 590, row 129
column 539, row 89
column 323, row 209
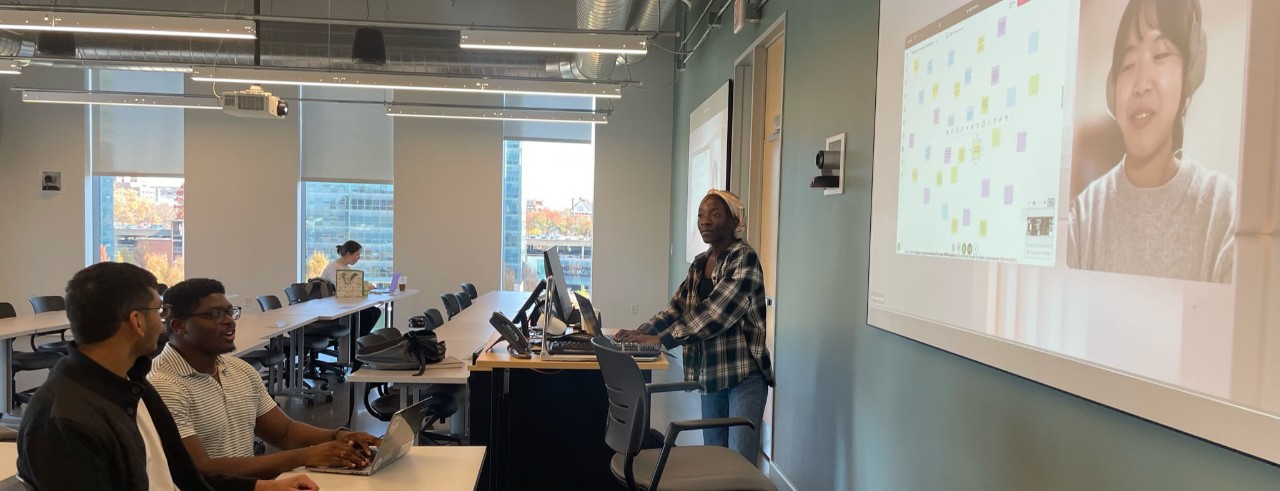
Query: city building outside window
column 547, row 201
column 335, row 212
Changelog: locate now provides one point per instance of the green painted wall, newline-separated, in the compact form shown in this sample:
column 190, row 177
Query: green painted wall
column 859, row 408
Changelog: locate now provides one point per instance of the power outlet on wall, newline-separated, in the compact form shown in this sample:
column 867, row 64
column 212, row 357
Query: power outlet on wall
column 635, row 308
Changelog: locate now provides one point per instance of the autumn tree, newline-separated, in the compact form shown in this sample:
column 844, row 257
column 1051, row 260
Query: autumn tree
column 131, row 209
column 169, row 273
column 316, row 264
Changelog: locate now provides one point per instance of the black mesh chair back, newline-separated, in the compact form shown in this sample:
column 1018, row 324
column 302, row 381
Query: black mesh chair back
column 268, row 302
column 434, row 319
column 48, row 303
column 6, row 310
column 22, row 361
column 451, row 306
column 463, row 300
column 297, row 293
column 470, row 290
column 624, row 385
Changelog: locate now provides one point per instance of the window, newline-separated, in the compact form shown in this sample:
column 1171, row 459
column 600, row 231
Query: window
column 141, row 221
column 347, row 173
column 136, row 160
column 337, row 212
column 547, row 201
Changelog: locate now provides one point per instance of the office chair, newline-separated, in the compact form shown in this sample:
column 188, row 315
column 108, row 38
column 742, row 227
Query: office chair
column 470, row 289
column 296, row 293
column 50, row 303
column 703, row 467
column 451, row 306
column 443, row 403
column 268, row 302
column 434, row 319
column 463, row 301
column 23, row 361
column 334, row 330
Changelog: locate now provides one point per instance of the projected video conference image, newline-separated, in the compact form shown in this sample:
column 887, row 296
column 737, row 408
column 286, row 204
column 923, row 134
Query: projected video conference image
column 1088, row 178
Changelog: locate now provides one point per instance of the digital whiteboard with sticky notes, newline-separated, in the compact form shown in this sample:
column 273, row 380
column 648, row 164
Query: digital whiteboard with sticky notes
column 1085, row 193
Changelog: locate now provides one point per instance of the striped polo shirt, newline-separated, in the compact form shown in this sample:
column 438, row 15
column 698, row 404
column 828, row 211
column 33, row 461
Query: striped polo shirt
column 222, row 415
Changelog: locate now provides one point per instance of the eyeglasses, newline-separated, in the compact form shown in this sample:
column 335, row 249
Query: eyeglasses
column 163, row 310
column 219, row 313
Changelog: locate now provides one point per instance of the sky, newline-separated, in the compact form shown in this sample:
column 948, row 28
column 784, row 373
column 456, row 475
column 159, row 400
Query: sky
column 557, row 172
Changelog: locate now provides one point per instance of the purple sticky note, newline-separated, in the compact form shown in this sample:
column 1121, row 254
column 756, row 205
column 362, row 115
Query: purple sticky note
column 926, row 196
column 1008, row 194
column 986, row 188
column 936, row 114
column 1000, row 30
column 965, row 220
column 946, row 156
column 1022, row 141
column 946, row 211
column 911, row 140
column 995, row 75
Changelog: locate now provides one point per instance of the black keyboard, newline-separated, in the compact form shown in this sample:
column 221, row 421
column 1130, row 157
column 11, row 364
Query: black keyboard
column 572, row 347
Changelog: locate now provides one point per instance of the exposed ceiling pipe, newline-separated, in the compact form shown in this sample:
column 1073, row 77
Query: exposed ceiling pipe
column 650, row 15
column 609, row 15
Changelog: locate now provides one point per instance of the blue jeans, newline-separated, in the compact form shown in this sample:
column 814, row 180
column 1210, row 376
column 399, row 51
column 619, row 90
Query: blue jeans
column 746, row 400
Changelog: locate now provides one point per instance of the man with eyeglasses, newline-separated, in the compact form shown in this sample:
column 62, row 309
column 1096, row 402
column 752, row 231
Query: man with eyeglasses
column 96, row 423
column 220, row 403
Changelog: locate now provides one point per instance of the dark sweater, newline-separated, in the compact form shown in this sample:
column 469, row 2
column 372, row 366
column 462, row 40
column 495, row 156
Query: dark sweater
column 80, row 432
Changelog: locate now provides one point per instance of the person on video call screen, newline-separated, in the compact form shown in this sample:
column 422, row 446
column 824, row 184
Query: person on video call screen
column 1157, row 212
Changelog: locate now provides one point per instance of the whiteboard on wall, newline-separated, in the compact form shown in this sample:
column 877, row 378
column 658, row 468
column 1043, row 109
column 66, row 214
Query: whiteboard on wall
column 996, row 145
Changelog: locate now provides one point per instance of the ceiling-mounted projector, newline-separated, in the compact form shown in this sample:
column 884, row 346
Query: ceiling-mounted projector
column 254, row 103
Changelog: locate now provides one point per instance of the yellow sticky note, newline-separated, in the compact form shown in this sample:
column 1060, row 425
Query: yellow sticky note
column 977, row 149
column 955, row 175
column 982, row 228
column 961, row 155
column 986, row 104
column 935, row 90
column 915, row 174
column 955, row 226
column 939, row 178
column 995, row 137
column 982, row 43
column 1035, row 85
column 956, row 92
column 915, row 66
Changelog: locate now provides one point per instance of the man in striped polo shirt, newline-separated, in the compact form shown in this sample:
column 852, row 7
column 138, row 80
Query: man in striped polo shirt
column 219, row 401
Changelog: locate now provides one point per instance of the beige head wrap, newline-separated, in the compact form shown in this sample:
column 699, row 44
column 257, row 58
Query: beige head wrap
column 735, row 209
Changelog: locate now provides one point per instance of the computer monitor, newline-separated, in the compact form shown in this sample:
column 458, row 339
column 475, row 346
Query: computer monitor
column 558, row 301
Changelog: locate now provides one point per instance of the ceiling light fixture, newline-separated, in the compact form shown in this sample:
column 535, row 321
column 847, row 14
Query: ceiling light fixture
column 118, row 99
column 555, row 42
column 140, row 25
column 403, row 81
column 496, row 113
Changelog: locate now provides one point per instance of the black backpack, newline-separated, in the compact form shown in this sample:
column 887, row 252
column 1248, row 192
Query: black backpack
column 387, row 349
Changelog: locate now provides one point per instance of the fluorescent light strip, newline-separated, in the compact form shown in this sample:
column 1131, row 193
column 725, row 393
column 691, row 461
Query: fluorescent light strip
column 398, row 81
column 497, row 114
column 555, row 42
column 119, row 99
column 141, row 25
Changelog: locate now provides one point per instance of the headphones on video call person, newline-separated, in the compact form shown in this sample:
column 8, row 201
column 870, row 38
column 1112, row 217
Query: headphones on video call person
column 1193, row 65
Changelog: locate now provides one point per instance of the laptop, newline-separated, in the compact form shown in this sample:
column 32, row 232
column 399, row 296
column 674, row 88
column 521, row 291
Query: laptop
column 579, row 350
column 400, row 436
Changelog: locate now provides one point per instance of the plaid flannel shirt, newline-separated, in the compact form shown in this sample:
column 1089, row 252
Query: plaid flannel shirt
column 723, row 337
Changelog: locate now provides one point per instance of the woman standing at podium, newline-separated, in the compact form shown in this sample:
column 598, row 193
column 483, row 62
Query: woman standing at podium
column 717, row 314
column 348, row 256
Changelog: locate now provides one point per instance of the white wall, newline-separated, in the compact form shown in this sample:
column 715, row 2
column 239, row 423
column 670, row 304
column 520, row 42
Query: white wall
column 242, row 200
column 42, row 240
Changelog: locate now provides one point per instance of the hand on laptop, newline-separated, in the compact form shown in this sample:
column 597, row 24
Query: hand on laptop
column 361, row 441
column 290, row 483
column 337, row 453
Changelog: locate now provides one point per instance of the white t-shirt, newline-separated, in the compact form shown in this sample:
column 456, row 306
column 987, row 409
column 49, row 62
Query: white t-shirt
column 158, row 475
column 331, row 271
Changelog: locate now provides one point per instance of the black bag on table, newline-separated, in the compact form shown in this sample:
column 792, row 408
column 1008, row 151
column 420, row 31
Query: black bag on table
column 387, row 349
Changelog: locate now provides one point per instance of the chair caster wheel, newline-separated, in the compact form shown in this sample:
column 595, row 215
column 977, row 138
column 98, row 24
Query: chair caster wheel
column 328, row 398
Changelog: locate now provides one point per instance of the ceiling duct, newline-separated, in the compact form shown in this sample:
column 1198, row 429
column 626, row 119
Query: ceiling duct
column 650, row 15
column 604, row 15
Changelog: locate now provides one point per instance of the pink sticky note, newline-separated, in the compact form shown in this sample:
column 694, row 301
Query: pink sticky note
column 965, row 220
column 986, row 188
column 926, row 196
column 1008, row 195
column 1022, row 141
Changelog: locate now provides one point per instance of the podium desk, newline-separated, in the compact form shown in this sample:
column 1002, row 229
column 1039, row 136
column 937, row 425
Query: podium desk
column 436, row 468
column 545, row 420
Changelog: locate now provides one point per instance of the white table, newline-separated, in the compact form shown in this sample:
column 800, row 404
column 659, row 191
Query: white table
column 16, row 327
column 435, row 468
